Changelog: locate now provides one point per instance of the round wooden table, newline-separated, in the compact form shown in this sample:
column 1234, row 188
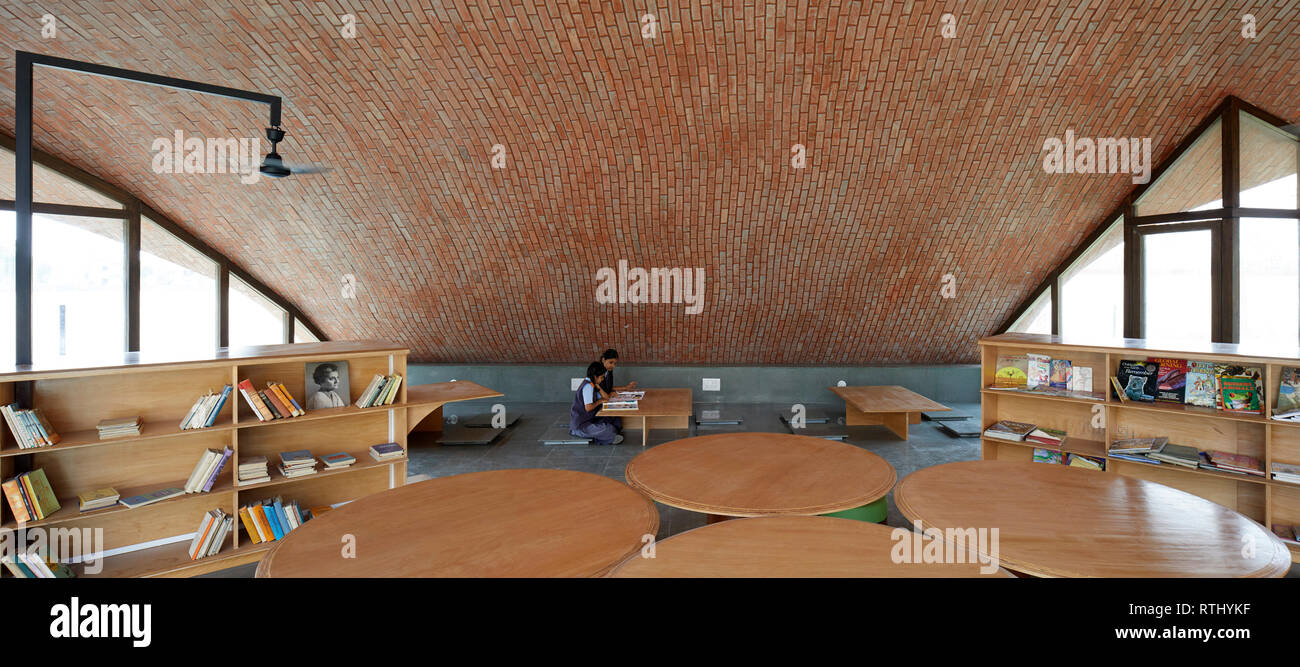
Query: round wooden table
column 759, row 474
column 500, row 523
column 1058, row 521
column 791, row 546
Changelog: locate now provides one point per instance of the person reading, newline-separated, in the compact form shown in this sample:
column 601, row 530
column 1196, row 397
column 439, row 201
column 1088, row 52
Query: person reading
column 609, row 360
column 587, row 399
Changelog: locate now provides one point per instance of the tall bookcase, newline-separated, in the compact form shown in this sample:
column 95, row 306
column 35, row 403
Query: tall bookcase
column 76, row 398
column 1261, row 498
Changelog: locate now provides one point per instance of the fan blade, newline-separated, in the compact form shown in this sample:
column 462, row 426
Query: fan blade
column 308, row 168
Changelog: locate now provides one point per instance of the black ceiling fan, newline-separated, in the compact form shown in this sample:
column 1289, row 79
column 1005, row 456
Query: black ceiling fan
column 275, row 166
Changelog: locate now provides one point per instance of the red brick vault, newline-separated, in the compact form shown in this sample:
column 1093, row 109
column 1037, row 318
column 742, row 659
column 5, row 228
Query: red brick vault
column 666, row 141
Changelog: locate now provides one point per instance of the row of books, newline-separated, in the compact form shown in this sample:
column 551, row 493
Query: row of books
column 211, row 535
column 270, row 520
column 1159, row 451
column 30, row 496
column 274, row 402
column 32, row 565
column 382, row 390
column 205, row 410
column 30, row 427
column 1042, row 455
column 205, row 472
column 118, row 427
column 1040, row 372
column 1286, row 472
column 298, row 463
column 1020, row 431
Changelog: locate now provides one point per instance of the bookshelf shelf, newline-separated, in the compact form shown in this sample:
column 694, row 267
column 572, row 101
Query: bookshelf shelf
column 75, row 399
column 1262, row 499
column 1072, row 446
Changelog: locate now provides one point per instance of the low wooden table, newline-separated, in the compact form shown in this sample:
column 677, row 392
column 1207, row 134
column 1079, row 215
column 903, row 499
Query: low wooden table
column 499, row 523
column 757, row 474
column 789, row 546
column 890, row 406
column 1058, row 521
column 427, row 401
column 660, row 408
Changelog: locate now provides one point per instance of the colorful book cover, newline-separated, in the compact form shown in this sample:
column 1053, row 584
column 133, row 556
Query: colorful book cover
column 1138, row 379
column 152, row 497
column 299, row 457
column 1200, row 387
column 1062, row 372
column 1088, row 462
column 1012, row 372
column 339, row 459
column 1046, row 456
column 47, row 503
column 1239, row 393
column 1171, row 380
column 225, row 456
column 1288, row 390
column 216, row 411
column 1039, row 370
column 273, row 518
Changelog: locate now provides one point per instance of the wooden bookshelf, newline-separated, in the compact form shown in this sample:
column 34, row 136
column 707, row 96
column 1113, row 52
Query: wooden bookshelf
column 1092, row 428
column 76, row 396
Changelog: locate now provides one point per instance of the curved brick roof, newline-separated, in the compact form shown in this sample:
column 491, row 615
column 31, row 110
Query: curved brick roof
column 923, row 158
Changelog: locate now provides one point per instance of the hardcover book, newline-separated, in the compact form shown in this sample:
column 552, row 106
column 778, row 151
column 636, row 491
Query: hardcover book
column 1009, row 430
column 1200, row 387
column 1138, row 378
column 1240, row 392
column 1171, row 380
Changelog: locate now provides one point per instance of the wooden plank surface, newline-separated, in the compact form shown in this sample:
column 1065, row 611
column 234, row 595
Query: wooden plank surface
column 657, row 403
column 447, row 392
column 755, row 474
column 1058, row 521
column 887, row 398
column 500, row 523
column 791, row 546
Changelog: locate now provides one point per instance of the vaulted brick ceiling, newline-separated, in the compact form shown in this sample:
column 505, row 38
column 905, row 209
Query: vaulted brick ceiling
column 924, row 157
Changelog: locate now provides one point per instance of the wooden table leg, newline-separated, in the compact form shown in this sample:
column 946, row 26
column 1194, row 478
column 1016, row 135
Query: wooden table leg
column 896, row 422
column 645, row 431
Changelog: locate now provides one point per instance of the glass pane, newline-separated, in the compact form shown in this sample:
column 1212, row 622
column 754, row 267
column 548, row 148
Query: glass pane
column 1176, row 286
column 1270, row 283
column 178, row 296
column 8, row 230
column 49, row 186
column 1092, row 290
column 1268, row 165
column 301, row 334
column 1193, row 183
column 1038, row 318
column 254, row 319
column 78, row 288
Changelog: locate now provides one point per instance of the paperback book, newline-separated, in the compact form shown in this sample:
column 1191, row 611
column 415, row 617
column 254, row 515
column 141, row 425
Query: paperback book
column 1039, row 372
column 1012, row 372
column 1171, row 380
column 1200, row 386
column 1138, row 378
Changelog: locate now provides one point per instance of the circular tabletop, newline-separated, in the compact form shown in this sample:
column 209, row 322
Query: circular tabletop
column 756, row 474
column 794, row 546
column 500, row 523
column 1059, row 521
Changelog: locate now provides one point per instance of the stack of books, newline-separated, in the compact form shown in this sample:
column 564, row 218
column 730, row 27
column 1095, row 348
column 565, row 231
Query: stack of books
column 274, row 402
column 382, row 390
column 270, row 520
column 1287, row 532
column 30, row 427
column 298, row 463
column 152, row 497
column 253, row 470
column 98, row 499
column 30, row 496
column 118, row 428
column 338, row 461
column 32, row 565
column 1287, row 416
column 1009, row 430
column 1229, row 462
column 386, row 451
column 1179, row 455
column 211, row 535
column 205, row 410
column 1137, row 449
column 1286, row 472
column 206, row 470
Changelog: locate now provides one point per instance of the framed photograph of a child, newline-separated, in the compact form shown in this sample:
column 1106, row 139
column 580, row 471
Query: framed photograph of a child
column 327, row 385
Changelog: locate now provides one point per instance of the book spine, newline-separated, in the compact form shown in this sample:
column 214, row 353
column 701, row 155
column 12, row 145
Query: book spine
column 259, row 520
column 13, row 428
column 200, row 535
column 14, row 495
column 292, row 400
column 392, row 393
column 277, row 402
column 33, row 504
column 280, row 394
column 249, row 528
column 189, row 416
column 275, row 413
column 249, row 400
column 35, row 427
column 225, row 456
column 221, row 403
column 273, row 518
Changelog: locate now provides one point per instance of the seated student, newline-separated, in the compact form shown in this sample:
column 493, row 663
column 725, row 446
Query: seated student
column 609, row 360
column 588, row 398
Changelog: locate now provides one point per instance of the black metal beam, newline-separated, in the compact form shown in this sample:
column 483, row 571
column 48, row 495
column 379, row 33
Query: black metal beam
column 23, row 209
column 132, row 284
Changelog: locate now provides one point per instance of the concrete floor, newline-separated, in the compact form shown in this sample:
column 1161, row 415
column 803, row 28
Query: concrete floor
column 519, row 448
